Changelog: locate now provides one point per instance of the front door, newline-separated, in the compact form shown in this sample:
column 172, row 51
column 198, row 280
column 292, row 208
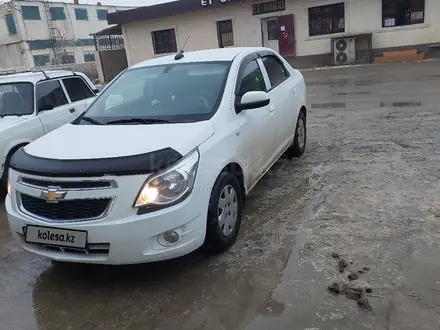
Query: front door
column 270, row 32
column 255, row 125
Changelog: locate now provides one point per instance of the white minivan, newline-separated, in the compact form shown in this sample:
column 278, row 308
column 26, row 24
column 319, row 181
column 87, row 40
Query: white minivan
column 161, row 162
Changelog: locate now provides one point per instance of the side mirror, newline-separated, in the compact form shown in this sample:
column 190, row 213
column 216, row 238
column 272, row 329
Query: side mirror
column 252, row 100
column 45, row 107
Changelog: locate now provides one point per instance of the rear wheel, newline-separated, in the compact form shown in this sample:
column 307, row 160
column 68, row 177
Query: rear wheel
column 224, row 213
column 300, row 139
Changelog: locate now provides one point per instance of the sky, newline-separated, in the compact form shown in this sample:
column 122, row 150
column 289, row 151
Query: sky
column 115, row 2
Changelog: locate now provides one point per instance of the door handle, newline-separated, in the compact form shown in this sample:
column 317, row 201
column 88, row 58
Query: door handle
column 72, row 110
column 272, row 108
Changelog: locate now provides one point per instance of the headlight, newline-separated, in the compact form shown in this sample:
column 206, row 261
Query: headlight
column 9, row 184
column 171, row 186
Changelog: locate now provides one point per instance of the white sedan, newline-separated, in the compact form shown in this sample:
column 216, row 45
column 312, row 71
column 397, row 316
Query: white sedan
column 161, row 162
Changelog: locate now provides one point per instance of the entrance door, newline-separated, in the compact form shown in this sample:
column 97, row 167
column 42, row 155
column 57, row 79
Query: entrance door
column 270, row 32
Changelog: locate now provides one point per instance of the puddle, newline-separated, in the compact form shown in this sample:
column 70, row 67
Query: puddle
column 400, row 104
column 331, row 105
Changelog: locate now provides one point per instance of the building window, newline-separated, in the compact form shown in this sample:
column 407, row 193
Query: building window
column 67, row 58
column 81, row 14
column 41, row 60
column 57, row 13
column 10, row 23
column 225, row 33
column 77, row 89
column 402, row 12
column 30, row 12
column 164, row 41
column 326, row 19
column 102, row 14
column 89, row 57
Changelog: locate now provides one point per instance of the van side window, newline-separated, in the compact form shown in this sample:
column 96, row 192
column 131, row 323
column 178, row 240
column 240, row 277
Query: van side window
column 50, row 95
column 275, row 70
column 77, row 89
column 252, row 79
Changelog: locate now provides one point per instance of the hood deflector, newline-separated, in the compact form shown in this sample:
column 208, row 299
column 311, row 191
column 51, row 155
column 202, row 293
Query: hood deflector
column 126, row 165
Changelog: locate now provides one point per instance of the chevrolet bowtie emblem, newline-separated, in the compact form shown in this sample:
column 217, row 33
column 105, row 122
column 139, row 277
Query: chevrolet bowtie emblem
column 52, row 195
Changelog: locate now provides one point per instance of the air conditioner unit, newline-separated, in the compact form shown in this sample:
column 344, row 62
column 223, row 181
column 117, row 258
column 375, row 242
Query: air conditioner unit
column 344, row 51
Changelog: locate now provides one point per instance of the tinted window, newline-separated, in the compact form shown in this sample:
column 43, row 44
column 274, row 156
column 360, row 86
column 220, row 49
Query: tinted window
column 275, row 70
column 77, row 89
column 174, row 92
column 16, row 99
column 252, row 79
column 50, row 94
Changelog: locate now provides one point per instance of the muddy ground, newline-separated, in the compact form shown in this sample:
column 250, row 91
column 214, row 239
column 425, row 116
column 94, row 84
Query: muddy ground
column 367, row 189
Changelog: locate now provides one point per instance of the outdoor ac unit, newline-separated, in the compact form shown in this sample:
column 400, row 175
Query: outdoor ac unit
column 344, row 51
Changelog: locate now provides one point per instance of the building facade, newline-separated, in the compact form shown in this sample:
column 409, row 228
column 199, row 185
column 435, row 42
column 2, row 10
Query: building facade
column 307, row 32
column 38, row 33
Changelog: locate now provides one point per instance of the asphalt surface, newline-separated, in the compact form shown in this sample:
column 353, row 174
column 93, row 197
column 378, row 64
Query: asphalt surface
column 367, row 189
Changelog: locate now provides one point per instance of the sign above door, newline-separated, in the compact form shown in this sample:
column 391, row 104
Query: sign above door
column 268, row 7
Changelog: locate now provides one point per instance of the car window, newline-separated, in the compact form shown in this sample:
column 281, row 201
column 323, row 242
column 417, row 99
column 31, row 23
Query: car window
column 77, row 89
column 181, row 92
column 16, row 99
column 50, row 95
column 252, row 79
column 275, row 70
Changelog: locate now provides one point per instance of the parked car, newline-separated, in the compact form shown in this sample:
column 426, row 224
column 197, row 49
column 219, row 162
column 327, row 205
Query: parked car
column 35, row 103
column 161, row 162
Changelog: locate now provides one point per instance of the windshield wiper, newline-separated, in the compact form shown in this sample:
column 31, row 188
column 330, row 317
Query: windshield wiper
column 137, row 121
column 91, row 120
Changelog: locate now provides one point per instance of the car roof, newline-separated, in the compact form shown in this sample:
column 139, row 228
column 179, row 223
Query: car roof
column 206, row 55
column 34, row 76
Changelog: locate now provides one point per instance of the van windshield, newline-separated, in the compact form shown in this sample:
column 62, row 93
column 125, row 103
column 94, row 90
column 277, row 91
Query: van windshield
column 173, row 93
column 16, row 99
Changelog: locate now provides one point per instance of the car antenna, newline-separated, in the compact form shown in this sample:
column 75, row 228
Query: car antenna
column 45, row 75
column 180, row 55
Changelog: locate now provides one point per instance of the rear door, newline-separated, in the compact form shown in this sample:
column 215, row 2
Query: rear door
column 79, row 93
column 284, row 105
column 53, row 105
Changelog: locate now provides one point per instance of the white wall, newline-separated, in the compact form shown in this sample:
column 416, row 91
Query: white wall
column 362, row 16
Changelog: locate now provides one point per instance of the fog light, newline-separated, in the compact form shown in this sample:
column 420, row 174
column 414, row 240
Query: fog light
column 171, row 236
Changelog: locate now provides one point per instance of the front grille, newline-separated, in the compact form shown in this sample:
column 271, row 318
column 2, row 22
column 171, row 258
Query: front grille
column 67, row 210
column 67, row 184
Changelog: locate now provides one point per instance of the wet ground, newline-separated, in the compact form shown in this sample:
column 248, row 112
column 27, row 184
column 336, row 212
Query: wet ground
column 367, row 189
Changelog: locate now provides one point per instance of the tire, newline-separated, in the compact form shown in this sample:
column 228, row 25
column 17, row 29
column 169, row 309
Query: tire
column 222, row 232
column 300, row 139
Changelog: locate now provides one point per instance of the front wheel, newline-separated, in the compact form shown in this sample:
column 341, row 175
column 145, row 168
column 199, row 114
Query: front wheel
column 224, row 213
column 299, row 141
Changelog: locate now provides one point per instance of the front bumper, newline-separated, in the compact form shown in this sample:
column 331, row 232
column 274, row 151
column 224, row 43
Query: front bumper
column 121, row 236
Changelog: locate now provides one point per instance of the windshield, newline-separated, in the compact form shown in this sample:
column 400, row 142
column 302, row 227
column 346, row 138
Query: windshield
column 16, row 99
column 160, row 94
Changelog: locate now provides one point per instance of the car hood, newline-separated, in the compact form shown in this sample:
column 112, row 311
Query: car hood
column 9, row 121
column 108, row 141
